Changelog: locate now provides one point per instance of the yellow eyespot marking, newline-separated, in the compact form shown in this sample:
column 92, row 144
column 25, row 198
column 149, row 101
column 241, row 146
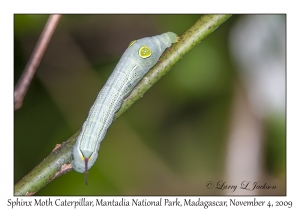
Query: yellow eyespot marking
column 145, row 52
column 131, row 43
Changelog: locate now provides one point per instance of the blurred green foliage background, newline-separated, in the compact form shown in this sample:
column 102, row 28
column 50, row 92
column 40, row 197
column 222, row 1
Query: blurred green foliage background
column 171, row 142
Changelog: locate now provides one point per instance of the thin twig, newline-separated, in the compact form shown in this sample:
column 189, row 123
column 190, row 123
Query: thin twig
column 34, row 61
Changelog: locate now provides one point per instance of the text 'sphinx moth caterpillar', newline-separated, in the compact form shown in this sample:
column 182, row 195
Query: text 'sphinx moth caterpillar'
column 135, row 62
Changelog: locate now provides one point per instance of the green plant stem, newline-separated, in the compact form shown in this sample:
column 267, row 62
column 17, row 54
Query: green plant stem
column 50, row 167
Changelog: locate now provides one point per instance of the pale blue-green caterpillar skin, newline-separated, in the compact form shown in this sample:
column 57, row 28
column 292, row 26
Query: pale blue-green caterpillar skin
column 128, row 72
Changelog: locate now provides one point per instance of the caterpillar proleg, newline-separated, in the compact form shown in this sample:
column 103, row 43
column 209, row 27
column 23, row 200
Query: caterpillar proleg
column 135, row 62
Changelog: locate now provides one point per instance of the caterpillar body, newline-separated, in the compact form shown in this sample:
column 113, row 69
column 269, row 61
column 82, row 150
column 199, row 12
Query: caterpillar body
column 135, row 62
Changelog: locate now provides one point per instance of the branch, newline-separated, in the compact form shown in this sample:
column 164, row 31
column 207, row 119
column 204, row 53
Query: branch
column 34, row 61
column 58, row 162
